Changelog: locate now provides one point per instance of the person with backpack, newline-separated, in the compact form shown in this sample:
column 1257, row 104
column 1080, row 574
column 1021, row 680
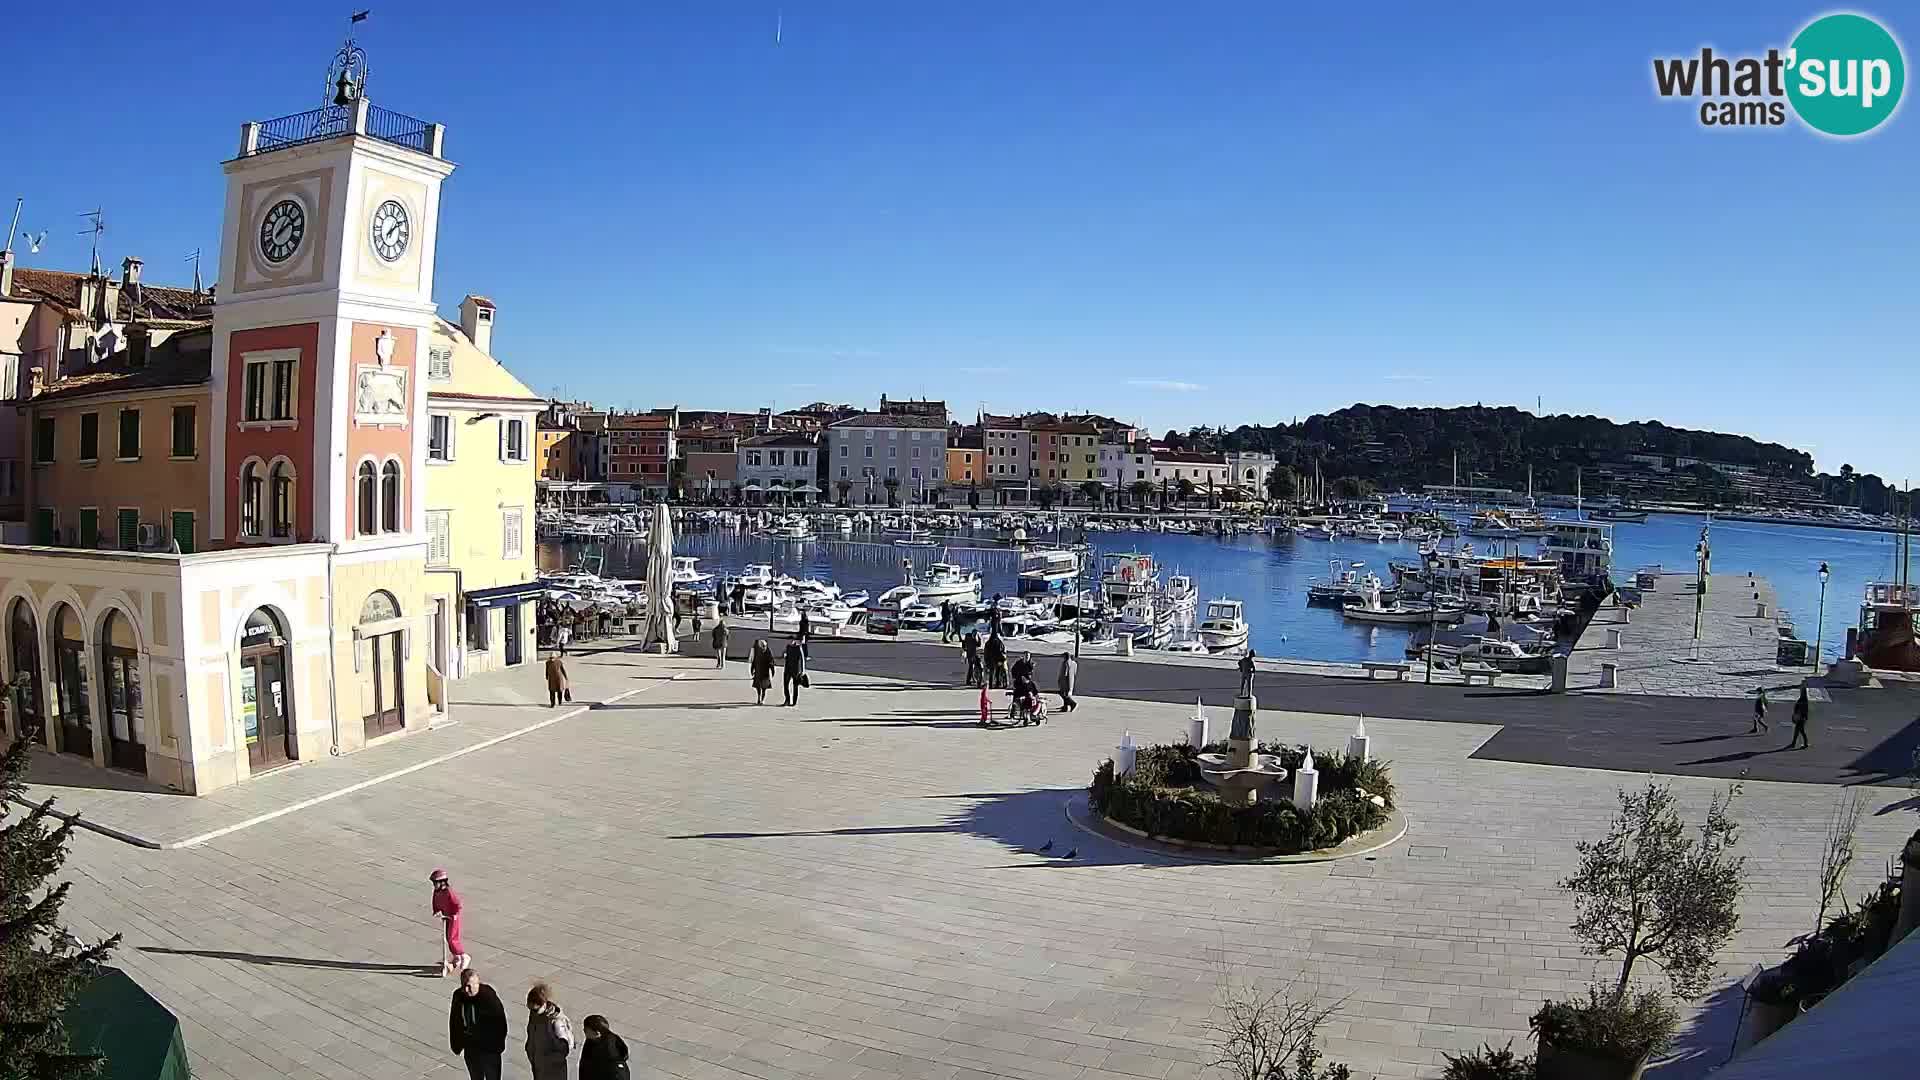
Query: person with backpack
column 604, row 1055
column 549, row 1035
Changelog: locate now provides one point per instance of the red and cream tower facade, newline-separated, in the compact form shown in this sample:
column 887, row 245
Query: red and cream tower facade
column 318, row 431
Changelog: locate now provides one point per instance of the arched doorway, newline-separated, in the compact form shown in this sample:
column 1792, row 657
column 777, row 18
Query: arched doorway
column 23, row 647
column 120, row 676
column 70, row 682
column 382, row 678
column 266, row 699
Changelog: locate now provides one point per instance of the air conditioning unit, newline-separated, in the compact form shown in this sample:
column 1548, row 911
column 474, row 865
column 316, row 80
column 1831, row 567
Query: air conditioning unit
column 152, row 536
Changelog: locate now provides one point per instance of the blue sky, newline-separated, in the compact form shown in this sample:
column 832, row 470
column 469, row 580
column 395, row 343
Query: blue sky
column 1183, row 213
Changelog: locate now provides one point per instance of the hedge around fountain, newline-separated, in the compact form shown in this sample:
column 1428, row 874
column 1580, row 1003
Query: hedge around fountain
column 1165, row 797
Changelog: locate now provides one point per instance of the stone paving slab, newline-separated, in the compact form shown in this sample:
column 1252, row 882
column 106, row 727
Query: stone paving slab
column 851, row 889
column 1733, row 656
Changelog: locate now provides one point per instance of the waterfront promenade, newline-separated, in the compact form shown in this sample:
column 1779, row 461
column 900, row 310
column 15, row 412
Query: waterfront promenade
column 853, row 888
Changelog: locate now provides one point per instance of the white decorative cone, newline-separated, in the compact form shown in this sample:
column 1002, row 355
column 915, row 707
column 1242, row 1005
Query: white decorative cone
column 660, row 583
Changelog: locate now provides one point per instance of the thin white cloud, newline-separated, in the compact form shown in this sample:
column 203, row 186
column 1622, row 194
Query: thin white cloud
column 1171, row 385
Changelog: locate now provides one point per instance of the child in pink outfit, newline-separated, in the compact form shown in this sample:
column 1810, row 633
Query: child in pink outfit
column 446, row 905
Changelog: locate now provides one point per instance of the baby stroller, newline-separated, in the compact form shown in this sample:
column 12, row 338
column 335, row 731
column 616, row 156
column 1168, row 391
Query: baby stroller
column 1027, row 707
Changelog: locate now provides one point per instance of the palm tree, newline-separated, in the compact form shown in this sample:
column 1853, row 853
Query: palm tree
column 892, row 484
column 1185, row 487
column 843, row 486
column 1141, row 490
column 1093, row 489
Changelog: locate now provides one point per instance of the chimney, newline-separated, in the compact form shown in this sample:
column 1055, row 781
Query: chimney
column 6, row 273
column 130, row 271
column 476, row 319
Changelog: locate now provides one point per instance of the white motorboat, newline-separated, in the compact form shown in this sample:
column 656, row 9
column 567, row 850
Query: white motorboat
column 948, row 581
column 1342, row 585
column 920, row 615
column 1181, row 596
column 684, row 571
column 1048, row 571
column 757, row 598
column 856, row 599
column 755, row 574
column 1372, row 609
column 1225, row 626
column 1313, row 532
column 1190, row 645
column 900, row 596
column 1498, row 653
column 793, row 530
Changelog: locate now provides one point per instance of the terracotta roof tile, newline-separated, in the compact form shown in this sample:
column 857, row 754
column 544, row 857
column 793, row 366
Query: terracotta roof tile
column 62, row 287
column 185, row 359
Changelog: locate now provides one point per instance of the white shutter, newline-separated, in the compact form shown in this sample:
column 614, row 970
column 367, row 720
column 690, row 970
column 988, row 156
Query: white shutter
column 510, row 533
column 502, row 426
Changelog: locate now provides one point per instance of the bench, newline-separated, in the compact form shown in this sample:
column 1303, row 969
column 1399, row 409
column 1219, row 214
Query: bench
column 1399, row 670
column 1470, row 672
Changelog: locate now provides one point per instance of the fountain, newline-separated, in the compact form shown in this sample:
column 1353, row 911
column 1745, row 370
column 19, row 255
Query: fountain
column 1240, row 774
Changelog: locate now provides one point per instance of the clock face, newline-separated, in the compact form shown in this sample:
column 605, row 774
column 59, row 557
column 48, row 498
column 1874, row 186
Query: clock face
column 390, row 230
column 282, row 230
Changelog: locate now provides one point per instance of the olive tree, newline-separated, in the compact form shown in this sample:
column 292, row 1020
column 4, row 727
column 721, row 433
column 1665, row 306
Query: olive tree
column 1652, row 889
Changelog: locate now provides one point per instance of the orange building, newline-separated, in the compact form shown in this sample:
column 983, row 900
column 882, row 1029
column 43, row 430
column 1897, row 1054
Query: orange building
column 553, row 453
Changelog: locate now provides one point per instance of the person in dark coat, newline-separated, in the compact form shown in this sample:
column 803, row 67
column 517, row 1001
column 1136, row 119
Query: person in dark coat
column 760, row 665
column 946, row 621
column 993, row 616
column 477, row 1026
column 793, row 671
column 970, row 645
column 1759, row 712
column 720, row 635
column 1246, row 672
column 806, row 632
column 739, row 599
column 1023, row 667
column 604, row 1055
column 996, row 660
column 558, row 687
column 549, row 1035
column 1800, row 723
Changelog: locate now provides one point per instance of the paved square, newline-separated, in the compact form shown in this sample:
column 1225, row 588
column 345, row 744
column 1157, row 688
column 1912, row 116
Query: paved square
column 850, row 889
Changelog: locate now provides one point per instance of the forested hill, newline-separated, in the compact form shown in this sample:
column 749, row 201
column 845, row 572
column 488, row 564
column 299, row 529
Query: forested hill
column 1395, row 447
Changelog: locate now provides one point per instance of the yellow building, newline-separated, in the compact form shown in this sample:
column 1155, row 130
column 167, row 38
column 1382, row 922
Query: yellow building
column 553, row 453
column 481, row 470
column 965, row 466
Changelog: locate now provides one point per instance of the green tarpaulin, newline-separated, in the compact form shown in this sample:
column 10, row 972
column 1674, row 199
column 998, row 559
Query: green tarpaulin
column 138, row 1035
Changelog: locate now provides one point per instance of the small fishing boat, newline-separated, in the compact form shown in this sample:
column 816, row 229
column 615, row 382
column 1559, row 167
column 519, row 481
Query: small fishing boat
column 755, row 574
column 1225, row 626
column 921, row 615
column 793, row 530
column 684, row 571
column 1180, row 594
column 948, row 581
column 1371, row 608
column 900, row 596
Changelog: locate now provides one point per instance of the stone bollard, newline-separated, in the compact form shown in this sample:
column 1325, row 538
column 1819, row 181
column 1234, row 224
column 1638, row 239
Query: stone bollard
column 1609, row 675
column 1306, row 783
column 1613, row 639
column 1125, row 645
column 1124, row 755
column 1359, row 744
column 1197, row 727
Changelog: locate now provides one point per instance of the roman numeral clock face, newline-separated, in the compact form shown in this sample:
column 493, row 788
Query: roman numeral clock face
column 390, row 230
column 282, row 230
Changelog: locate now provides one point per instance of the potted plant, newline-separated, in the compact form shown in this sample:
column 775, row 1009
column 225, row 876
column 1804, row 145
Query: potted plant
column 1647, row 889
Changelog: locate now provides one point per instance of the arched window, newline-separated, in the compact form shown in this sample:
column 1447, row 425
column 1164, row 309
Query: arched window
column 120, row 676
column 282, row 487
column 390, row 497
column 250, row 515
column 366, row 523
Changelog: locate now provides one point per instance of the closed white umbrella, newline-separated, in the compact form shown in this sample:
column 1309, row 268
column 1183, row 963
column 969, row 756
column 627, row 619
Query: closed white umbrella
column 660, row 584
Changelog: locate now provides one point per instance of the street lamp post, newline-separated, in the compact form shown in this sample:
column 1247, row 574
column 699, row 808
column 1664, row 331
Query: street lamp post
column 1699, row 585
column 1820, row 628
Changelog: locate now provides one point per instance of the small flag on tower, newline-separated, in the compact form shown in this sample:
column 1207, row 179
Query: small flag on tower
column 359, row 16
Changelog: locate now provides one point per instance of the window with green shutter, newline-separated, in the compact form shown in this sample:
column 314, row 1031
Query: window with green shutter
column 89, row 527
column 129, row 530
column 43, row 525
column 183, row 530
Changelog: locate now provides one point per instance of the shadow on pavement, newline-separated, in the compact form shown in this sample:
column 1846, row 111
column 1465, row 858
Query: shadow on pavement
column 424, row 971
column 1703, row 1044
column 1030, row 824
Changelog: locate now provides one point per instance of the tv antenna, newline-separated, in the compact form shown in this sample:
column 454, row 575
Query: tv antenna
column 194, row 258
column 99, row 226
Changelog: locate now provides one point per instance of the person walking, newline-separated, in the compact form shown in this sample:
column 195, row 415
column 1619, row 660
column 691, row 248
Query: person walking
column 760, row 665
column 549, row 1035
column 806, row 632
column 565, row 633
column 739, row 598
column 996, row 660
column 1069, row 671
column 993, row 616
column 793, row 671
column 447, row 908
column 1759, row 712
column 1800, row 723
column 604, row 1055
column 970, row 645
column 720, row 635
column 558, row 688
column 477, row 1027
column 1246, row 673
column 946, row 621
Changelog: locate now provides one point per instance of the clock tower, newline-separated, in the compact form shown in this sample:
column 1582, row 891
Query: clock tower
column 318, row 426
